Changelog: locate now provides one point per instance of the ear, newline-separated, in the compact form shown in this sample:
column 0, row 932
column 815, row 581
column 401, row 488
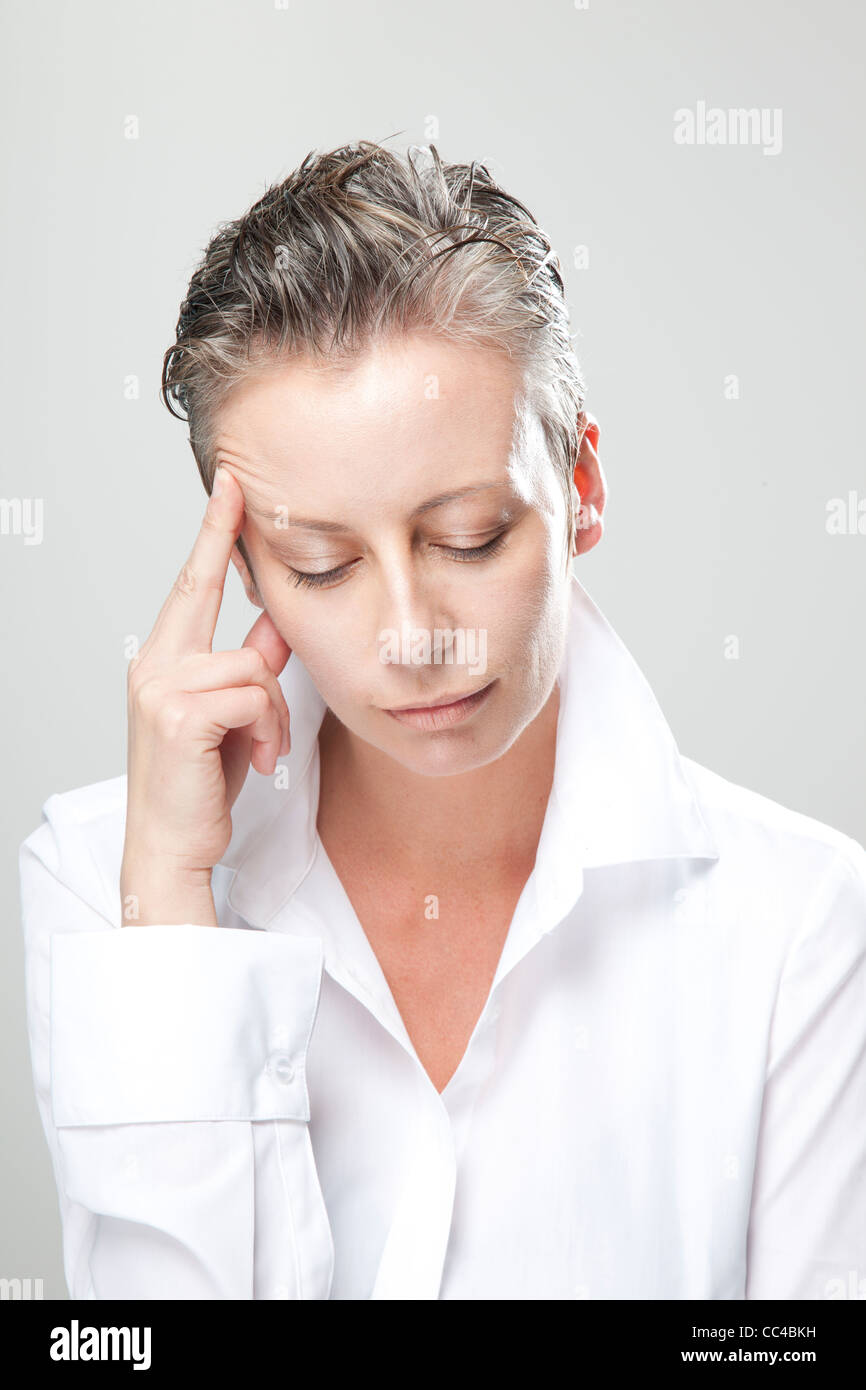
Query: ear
column 590, row 487
column 248, row 582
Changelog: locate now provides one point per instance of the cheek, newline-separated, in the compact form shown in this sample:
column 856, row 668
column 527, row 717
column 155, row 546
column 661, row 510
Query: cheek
column 531, row 592
column 534, row 628
column 325, row 649
column 294, row 615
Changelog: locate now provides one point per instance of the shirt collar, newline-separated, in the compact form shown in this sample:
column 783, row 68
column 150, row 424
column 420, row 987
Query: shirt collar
column 620, row 791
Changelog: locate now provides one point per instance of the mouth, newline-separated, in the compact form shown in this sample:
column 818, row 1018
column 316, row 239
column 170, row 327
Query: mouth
column 442, row 713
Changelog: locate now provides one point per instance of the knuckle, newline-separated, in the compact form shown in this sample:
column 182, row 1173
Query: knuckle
column 185, row 583
column 171, row 717
column 261, row 700
column 254, row 663
column 144, row 695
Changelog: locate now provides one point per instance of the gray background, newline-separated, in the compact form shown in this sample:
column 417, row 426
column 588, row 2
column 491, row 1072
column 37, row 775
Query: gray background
column 704, row 261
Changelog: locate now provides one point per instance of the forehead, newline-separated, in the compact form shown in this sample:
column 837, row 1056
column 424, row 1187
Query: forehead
column 420, row 390
column 409, row 419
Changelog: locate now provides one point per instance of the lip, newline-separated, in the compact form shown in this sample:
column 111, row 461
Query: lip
column 442, row 713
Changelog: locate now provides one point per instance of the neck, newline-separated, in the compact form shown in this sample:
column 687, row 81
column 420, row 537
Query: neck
column 491, row 815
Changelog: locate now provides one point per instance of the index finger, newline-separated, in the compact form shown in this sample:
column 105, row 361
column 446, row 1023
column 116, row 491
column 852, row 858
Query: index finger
column 188, row 618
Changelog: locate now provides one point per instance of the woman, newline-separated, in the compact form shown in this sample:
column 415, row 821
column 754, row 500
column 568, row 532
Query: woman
column 508, row 999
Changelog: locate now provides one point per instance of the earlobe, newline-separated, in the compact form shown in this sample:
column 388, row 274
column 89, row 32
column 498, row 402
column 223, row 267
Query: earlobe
column 576, row 504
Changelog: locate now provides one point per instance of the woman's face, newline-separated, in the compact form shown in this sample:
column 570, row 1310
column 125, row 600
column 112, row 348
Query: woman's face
column 432, row 533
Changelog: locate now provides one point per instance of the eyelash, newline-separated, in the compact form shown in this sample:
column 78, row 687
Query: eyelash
column 475, row 552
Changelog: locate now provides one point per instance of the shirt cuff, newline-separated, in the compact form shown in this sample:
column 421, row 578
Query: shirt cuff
column 181, row 1023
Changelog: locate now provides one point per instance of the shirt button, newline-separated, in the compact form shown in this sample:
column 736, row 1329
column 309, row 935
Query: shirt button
column 280, row 1068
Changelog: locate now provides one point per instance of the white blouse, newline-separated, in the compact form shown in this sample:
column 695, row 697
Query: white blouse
column 664, row 1096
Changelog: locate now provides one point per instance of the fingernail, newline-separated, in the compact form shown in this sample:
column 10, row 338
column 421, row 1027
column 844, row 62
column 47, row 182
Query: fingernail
column 217, row 482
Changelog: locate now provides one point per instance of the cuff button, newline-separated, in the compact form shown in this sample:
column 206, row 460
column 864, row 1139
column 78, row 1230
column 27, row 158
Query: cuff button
column 280, row 1068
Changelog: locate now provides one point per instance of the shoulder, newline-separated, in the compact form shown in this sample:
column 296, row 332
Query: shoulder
column 741, row 816
column 801, row 868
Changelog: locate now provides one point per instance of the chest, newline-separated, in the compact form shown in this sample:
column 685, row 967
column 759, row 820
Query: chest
column 438, row 940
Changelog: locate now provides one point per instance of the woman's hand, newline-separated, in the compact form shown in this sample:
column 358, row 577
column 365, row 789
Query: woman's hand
column 197, row 719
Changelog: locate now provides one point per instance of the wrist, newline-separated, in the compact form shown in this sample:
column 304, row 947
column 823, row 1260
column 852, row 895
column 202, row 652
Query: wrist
column 155, row 891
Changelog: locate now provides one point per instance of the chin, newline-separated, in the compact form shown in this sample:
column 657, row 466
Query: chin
column 445, row 752
column 447, row 762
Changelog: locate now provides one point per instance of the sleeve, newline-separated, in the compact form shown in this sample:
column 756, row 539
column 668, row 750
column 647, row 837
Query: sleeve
column 169, row 1064
column 807, row 1228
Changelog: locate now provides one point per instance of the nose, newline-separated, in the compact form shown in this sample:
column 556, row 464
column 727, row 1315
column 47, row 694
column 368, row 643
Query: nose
column 411, row 627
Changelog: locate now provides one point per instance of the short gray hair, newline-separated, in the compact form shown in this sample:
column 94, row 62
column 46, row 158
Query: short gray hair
column 359, row 244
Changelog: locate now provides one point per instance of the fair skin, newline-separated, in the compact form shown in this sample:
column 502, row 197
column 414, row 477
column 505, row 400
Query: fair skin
column 454, row 812
column 440, row 811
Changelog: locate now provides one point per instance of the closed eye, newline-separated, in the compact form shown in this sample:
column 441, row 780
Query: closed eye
column 301, row 579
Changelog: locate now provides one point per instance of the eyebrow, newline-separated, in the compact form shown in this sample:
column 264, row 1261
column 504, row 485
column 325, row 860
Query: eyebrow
column 441, row 498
